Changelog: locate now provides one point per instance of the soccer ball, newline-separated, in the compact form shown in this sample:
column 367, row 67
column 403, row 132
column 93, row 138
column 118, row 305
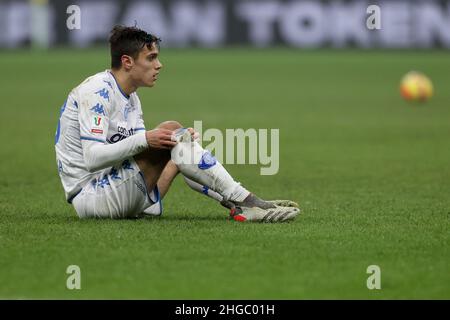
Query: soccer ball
column 415, row 86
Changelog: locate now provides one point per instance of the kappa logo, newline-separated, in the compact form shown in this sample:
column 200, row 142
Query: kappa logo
column 101, row 182
column 98, row 109
column 127, row 165
column 103, row 93
column 127, row 110
column 114, row 174
column 108, row 83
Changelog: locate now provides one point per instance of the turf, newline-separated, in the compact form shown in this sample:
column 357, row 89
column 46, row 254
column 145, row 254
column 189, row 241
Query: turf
column 370, row 171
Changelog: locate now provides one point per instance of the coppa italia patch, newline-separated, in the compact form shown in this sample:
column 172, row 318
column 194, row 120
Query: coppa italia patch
column 97, row 125
column 97, row 121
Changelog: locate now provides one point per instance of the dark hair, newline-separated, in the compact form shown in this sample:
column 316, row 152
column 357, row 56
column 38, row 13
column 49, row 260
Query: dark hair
column 129, row 41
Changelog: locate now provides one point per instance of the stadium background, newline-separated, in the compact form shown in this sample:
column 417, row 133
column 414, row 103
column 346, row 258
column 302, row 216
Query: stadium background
column 370, row 171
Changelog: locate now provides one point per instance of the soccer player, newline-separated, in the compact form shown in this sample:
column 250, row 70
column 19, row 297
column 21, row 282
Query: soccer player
column 111, row 166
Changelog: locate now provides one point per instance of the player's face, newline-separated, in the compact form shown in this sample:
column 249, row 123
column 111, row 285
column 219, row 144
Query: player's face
column 146, row 67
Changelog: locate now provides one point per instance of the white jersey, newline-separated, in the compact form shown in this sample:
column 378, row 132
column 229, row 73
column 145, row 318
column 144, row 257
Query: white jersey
column 96, row 112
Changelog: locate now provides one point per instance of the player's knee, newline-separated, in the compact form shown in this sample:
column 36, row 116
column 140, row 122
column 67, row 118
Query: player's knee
column 170, row 125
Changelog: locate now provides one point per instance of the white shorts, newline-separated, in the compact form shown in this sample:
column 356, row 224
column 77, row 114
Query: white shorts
column 116, row 193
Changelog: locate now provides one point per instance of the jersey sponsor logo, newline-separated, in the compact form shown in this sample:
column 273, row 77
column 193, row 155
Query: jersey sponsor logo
column 116, row 138
column 122, row 134
column 98, row 109
column 104, row 93
column 125, row 131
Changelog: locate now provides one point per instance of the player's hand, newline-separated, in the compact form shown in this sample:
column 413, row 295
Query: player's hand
column 160, row 138
column 195, row 135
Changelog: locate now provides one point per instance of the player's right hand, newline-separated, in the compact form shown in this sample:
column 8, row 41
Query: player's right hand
column 160, row 138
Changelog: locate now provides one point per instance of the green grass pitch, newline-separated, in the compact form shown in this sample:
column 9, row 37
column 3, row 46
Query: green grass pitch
column 371, row 172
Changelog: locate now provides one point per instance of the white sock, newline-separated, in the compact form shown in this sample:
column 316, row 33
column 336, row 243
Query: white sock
column 203, row 189
column 200, row 166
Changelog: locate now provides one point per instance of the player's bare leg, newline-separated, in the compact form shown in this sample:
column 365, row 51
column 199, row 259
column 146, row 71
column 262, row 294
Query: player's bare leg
column 167, row 176
column 155, row 164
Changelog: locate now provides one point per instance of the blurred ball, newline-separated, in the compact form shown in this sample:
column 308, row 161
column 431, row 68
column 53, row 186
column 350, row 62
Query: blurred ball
column 415, row 86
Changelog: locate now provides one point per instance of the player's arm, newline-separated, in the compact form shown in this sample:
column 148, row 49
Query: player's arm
column 93, row 117
column 94, row 122
column 98, row 155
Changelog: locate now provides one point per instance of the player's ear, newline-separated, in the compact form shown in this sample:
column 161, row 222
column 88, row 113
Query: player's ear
column 127, row 62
